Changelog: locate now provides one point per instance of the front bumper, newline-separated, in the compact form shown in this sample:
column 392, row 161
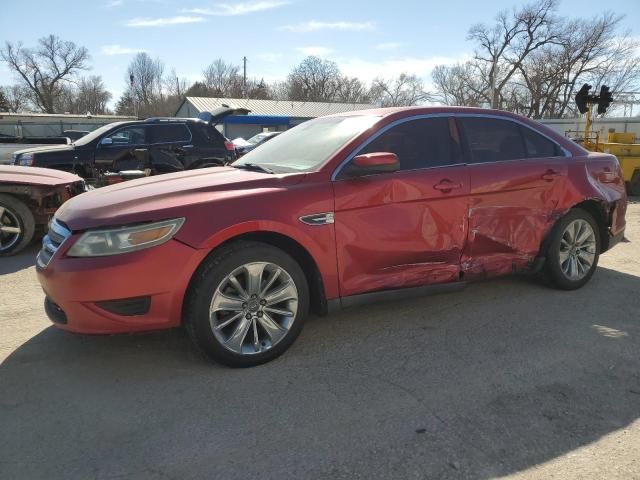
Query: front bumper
column 83, row 291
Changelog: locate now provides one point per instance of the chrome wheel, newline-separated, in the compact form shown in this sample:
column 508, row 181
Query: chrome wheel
column 577, row 249
column 10, row 230
column 253, row 308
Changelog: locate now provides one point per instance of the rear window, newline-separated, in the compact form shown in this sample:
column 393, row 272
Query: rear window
column 175, row 132
column 537, row 145
column 207, row 134
column 492, row 140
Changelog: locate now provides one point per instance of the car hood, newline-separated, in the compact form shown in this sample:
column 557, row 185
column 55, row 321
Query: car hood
column 45, row 148
column 164, row 196
column 35, row 176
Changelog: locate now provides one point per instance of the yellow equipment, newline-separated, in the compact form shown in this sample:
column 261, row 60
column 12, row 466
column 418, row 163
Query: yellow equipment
column 622, row 145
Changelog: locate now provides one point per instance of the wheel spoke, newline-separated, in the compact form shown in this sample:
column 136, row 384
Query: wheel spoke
column 273, row 278
column 254, row 274
column 229, row 321
column 585, row 234
column 273, row 329
column 224, row 302
column 235, row 341
column 5, row 229
column 286, row 291
column 2, row 210
column 279, row 311
column 564, row 256
column 239, row 288
column 256, row 341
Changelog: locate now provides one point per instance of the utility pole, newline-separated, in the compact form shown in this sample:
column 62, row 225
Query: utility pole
column 244, row 77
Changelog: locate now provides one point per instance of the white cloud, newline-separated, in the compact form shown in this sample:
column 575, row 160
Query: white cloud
column 163, row 22
column 270, row 56
column 229, row 10
column 314, row 26
column 317, row 51
column 120, row 50
column 113, row 3
column 388, row 46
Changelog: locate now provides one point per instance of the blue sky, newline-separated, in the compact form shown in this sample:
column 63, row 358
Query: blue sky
column 366, row 38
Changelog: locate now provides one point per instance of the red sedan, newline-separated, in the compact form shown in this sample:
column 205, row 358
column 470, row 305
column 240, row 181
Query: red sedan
column 335, row 212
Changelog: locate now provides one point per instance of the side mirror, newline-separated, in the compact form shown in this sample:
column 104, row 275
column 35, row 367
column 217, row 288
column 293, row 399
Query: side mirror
column 379, row 162
column 106, row 141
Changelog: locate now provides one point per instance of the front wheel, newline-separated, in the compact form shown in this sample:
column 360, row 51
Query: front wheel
column 247, row 305
column 17, row 225
column 573, row 252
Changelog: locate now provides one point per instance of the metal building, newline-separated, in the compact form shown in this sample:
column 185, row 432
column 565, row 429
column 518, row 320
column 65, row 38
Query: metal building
column 266, row 115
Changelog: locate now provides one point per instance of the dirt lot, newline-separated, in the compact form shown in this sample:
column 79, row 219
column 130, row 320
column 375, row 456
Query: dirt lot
column 503, row 379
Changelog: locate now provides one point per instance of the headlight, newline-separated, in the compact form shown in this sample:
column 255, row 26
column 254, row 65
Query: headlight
column 26, row 159
column 99, row 243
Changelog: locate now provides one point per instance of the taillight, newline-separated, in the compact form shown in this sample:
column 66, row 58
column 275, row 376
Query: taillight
column 229, row 146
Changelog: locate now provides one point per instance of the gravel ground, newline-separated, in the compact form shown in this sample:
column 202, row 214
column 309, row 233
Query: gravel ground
column 504, row 379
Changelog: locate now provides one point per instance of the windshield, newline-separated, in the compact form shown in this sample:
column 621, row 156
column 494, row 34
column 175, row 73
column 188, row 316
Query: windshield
column 307, row 146
column 97, row 133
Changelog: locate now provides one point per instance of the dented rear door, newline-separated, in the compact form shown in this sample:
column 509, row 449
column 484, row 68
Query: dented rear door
column 514, row 194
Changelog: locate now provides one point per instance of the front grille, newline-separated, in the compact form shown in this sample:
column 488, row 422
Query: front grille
column 51, row 242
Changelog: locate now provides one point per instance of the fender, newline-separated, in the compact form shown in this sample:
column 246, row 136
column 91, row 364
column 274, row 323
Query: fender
column 322, row 253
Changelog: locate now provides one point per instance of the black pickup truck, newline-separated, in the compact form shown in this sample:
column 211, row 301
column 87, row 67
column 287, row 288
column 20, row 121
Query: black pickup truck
column 157, row 145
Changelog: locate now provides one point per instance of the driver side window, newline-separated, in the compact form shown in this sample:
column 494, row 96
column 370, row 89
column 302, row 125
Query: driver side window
column 133, row 135
column 421, row 143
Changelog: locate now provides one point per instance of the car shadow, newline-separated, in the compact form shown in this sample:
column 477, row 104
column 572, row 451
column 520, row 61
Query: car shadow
column 481, row 383
column 20, row 261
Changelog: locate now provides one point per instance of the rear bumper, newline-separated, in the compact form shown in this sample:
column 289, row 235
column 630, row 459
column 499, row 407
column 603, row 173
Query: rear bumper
column 127, row 293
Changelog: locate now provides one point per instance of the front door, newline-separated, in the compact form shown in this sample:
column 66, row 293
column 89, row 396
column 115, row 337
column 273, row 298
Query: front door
column 117, row 150
column 517, row 178
column 406, row 228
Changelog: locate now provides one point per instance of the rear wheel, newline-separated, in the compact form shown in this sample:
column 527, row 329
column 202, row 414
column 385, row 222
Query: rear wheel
column 248, row 304
column 574, row 250
column 17, row 225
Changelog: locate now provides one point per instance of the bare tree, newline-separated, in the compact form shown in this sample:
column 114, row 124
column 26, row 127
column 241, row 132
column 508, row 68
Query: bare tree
column 404, row 90
column 223, row 79
column 314, row 80
column 46, row 69
column 543, row 82
column 461, row 84
column 352, row 90
column 147, row 77
column 14, row 99
column 507, row 44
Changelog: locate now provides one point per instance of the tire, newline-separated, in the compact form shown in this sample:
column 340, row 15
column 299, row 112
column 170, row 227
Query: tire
column 228, row 335
column 570, row 263
column 17, row 225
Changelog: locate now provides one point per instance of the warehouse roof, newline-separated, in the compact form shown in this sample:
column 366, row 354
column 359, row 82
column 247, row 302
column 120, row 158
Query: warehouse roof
column 277, row 107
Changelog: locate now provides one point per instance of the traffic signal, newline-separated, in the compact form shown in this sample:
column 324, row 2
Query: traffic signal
column 604, row 99
column 582, row 97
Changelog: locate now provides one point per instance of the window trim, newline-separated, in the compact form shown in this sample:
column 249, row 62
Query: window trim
column 189, row 140
column 357, row 149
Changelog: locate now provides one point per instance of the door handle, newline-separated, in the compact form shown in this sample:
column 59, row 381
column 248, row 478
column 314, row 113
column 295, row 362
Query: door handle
column 447, row 186
column 550, row 175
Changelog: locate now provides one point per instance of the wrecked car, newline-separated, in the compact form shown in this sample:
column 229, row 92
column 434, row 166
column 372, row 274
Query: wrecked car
column 339, row 211
column 28, row 199
column 154, row 145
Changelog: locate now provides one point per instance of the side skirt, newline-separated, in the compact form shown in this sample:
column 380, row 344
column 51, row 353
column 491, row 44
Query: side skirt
column 337, row 304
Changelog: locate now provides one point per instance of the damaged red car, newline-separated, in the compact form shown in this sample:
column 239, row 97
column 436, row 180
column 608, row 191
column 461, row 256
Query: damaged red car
column 335, row 212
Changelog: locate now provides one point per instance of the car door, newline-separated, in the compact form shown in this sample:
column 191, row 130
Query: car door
column 405, row 228
column 171, row 147
column 116, row 151
column 517, row 178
